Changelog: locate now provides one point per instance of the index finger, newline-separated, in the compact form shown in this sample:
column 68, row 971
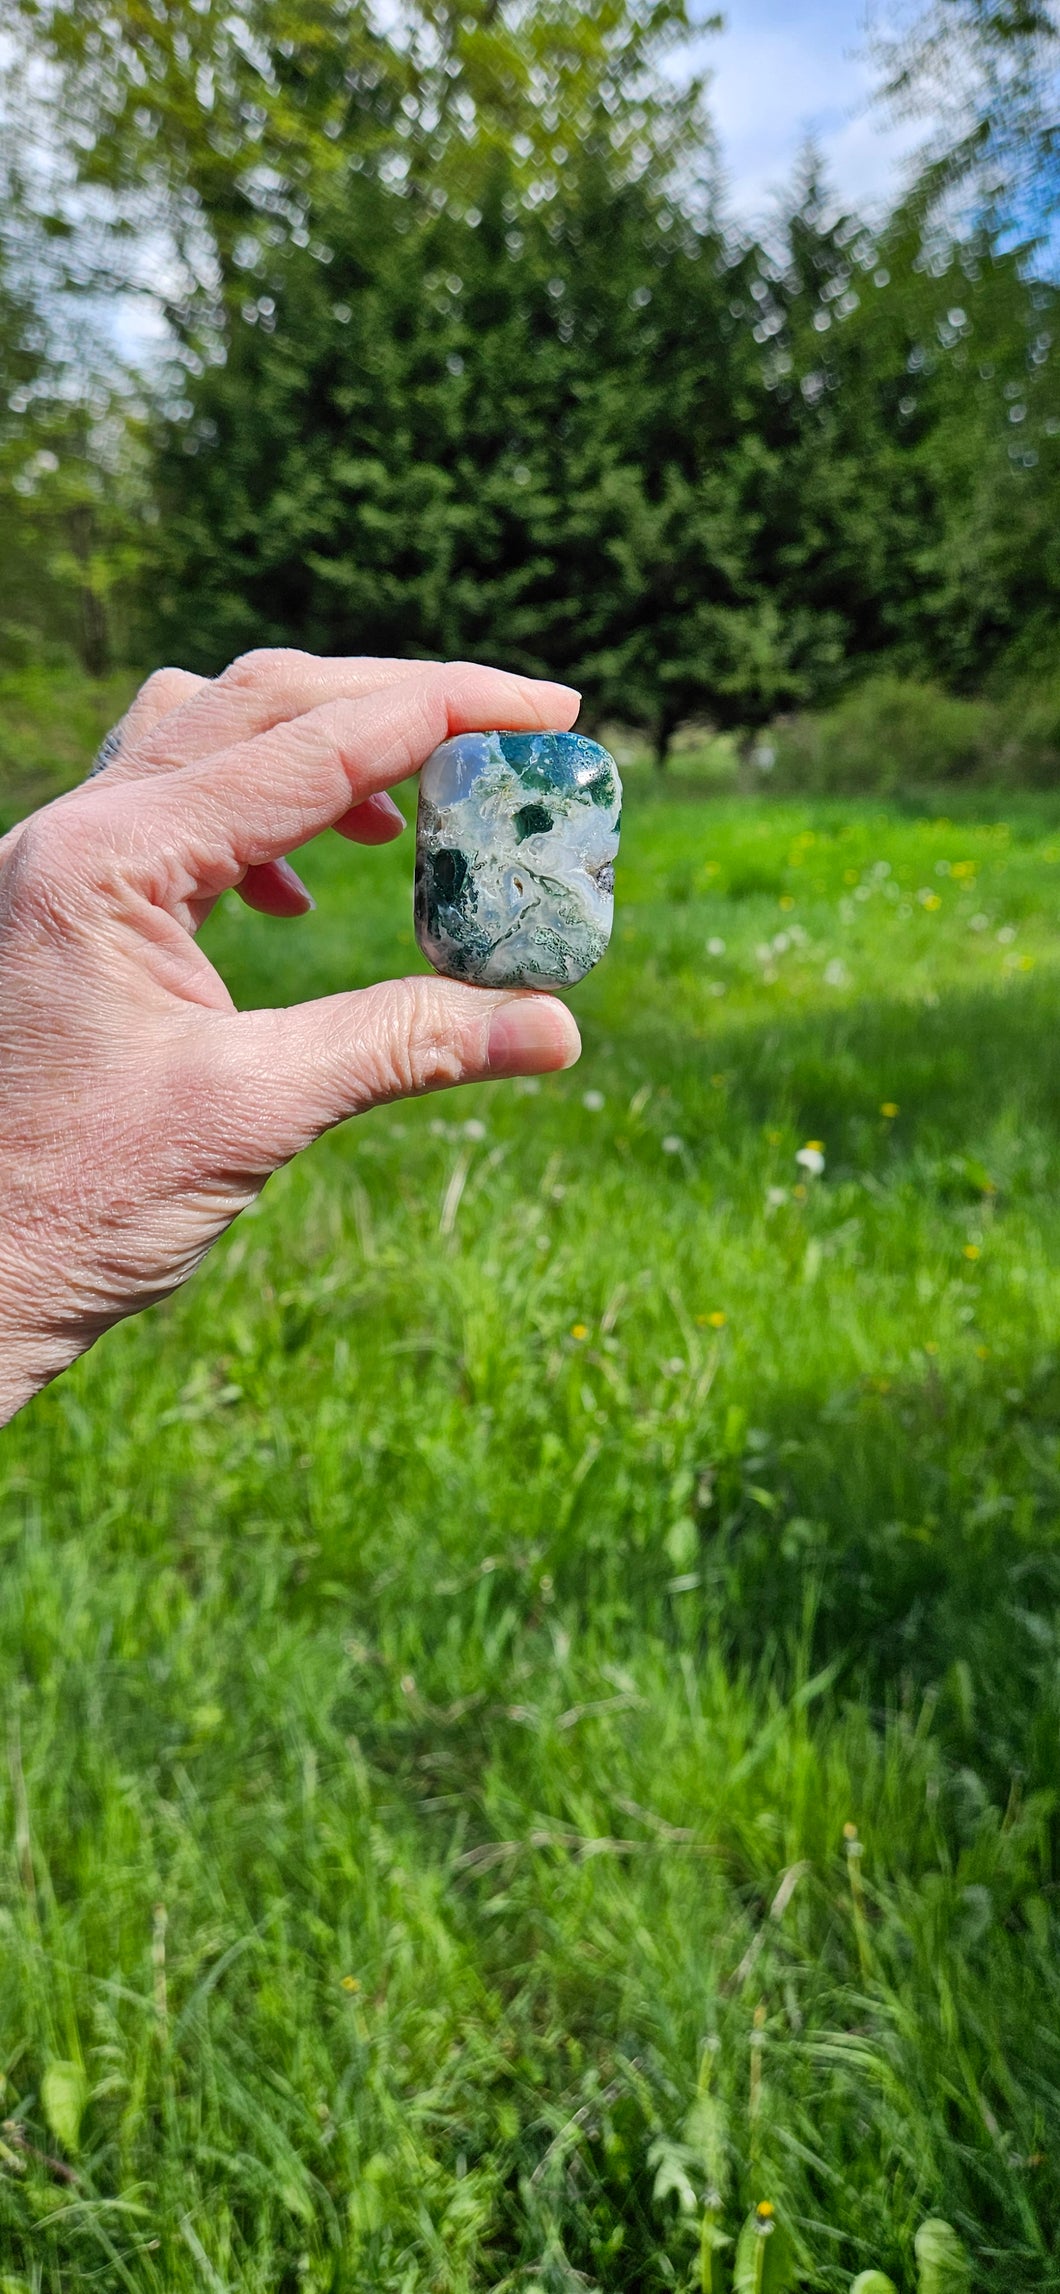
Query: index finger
column 203, row 827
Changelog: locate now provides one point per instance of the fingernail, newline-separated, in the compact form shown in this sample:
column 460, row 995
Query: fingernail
column 532, row 1035
column 294, row 882
column 384, row 805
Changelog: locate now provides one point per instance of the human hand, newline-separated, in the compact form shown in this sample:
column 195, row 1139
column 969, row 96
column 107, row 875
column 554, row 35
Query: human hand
column 139, row 1111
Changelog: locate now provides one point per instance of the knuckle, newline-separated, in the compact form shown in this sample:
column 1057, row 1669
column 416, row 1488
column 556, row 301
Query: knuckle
column 162, row 687
column 263, row 664
column 43, row 867
column 424, row 1049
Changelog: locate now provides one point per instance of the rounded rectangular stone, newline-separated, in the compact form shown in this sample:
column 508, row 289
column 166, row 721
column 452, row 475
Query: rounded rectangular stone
column 516, row 841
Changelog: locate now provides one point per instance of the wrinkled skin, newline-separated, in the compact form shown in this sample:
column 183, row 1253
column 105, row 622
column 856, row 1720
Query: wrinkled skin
column 139, row 1111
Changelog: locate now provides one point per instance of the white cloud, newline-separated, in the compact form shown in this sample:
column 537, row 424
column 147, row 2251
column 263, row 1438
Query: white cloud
column 786, row 69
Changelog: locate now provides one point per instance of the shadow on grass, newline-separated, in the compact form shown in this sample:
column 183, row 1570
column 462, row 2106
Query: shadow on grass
column 954, row 1069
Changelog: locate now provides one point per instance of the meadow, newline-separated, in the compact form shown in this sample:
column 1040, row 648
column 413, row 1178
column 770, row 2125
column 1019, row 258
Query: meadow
column 532, row 1689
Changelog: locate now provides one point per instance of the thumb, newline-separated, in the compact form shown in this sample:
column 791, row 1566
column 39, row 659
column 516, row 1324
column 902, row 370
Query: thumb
column 306, row 1068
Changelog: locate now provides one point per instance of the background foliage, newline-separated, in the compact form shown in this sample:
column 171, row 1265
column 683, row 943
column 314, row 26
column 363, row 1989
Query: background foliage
column 466, row 357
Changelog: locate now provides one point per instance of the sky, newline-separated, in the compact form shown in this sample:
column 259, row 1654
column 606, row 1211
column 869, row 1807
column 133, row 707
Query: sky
column 784, row 68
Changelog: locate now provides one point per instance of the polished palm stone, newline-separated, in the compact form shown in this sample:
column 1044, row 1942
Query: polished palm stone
column 515, row 858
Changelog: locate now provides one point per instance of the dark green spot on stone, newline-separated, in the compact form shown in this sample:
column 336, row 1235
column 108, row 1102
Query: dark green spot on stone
column 449, row 869
column 531, row 820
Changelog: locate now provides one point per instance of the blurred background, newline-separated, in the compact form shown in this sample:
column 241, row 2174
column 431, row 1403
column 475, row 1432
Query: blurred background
column 530, row 1691
column 706, row 363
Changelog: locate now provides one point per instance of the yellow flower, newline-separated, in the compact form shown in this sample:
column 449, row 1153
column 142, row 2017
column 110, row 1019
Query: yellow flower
column 816, row 1146
column 983, row 1353
column 971, row 1250
column 350, row 1983
column 933, row 901
column 579, row 1330
column 799, row 1193
column 765, row 2210
column 889, row 1108
column 786, row 900
column 716, row 1320
column 773, row 1138
column 850, row 1831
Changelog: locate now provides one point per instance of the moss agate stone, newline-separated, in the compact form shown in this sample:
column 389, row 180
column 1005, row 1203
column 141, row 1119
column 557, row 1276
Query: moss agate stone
column 515, row 858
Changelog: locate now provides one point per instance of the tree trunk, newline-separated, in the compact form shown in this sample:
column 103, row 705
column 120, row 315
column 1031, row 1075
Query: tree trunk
column 93, row 636
column 665, row 729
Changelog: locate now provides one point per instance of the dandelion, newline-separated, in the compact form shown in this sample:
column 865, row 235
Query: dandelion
column 672, row 1145
column 765, row 2210
column 350, row 1983
column 593, row 1100
column 811, row 1157
column 929, row 900
column 579, row 1330
column 971, row 1251
column 715, row 947
column 717, row 1319
column 889, row 1108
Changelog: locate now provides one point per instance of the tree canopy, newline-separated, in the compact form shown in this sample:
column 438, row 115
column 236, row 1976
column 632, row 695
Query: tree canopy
column 465, row 357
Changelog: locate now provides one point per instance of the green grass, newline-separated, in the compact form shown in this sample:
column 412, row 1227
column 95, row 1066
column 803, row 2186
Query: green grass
column 441, row 1656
